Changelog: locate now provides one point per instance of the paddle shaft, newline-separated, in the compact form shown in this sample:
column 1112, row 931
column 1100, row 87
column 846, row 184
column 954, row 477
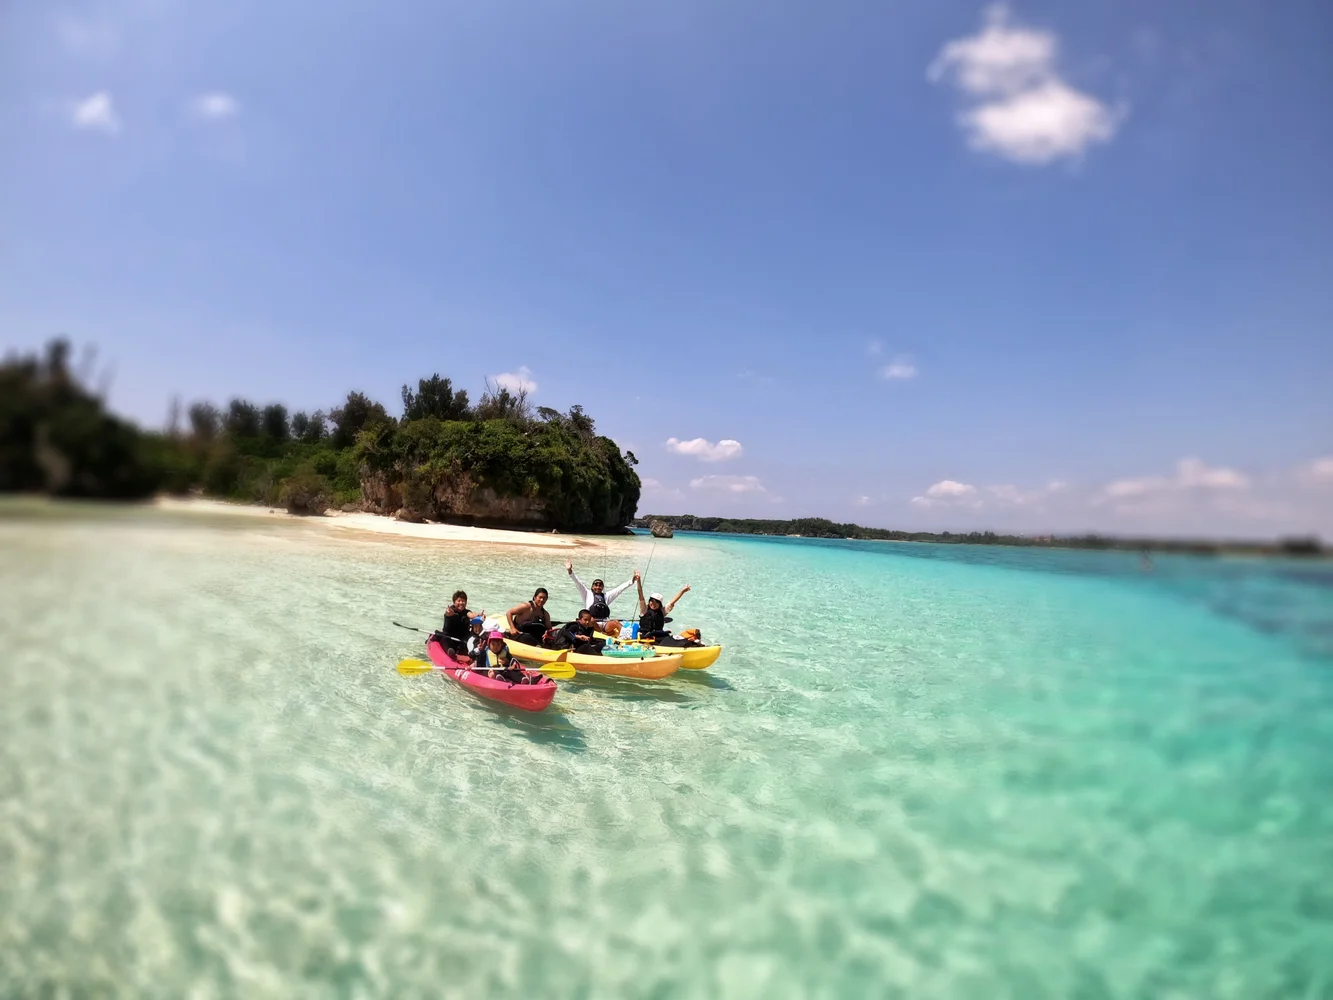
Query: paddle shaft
column 559, row 669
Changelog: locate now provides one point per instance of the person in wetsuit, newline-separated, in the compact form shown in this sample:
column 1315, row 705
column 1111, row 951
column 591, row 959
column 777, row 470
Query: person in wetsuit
column 529, row 622
column 458, row 625
column 597, row 599
column 653, row 613
column 578, row 635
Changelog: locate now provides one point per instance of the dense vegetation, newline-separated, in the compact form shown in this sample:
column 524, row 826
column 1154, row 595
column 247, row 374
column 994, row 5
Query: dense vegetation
column 55, row 436
column 495, row 462
column 818, row 527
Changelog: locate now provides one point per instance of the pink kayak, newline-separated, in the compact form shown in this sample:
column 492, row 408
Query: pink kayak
column 530, row 697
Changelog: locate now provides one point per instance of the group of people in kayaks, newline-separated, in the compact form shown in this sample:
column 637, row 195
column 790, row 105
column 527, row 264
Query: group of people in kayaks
column 471, row 639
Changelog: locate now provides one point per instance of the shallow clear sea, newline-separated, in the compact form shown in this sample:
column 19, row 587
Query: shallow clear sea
column 916, row 771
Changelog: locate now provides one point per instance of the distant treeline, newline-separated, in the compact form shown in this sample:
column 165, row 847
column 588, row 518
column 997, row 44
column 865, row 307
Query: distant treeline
column 493, row 462
column 818, row 527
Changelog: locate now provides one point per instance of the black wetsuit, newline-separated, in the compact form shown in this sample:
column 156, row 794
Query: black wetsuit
column 457, row 629
column 580, row 639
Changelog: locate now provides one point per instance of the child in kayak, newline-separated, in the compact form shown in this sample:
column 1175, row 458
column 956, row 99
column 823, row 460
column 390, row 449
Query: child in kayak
column 496, row 662
column 578, row 635
column 459, row 625
column 530, row 621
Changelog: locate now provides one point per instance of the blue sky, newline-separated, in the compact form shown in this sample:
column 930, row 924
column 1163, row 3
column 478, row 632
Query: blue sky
column 1043, row 267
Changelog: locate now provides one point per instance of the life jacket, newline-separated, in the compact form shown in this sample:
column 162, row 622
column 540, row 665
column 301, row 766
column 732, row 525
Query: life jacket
column 536, row 623
column 599, row 608
column 652, row 621
column 485, row 661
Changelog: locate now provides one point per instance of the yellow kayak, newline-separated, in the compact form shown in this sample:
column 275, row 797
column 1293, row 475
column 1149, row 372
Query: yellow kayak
column 691, row 657
column 649, row 668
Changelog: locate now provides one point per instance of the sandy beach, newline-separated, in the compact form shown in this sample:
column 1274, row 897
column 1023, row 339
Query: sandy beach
column 340, row 520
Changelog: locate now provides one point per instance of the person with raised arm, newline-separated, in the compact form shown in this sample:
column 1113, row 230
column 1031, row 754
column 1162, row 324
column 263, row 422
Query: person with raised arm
column 597, row 598
column 653, row 613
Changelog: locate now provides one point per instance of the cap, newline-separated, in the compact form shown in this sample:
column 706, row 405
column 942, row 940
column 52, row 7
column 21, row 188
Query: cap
column 495, row 635
column 655, row 597
column 477, row 620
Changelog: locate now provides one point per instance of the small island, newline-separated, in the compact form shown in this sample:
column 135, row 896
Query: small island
column 497, row 462
column 818, row 527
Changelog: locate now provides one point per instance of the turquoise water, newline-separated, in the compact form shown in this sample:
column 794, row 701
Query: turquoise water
column 916, row 772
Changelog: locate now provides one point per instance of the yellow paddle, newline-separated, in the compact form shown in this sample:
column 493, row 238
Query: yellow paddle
column 557, row 671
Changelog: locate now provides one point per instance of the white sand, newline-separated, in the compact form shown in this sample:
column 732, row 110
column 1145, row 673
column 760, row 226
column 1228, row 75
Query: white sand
column 379, row 525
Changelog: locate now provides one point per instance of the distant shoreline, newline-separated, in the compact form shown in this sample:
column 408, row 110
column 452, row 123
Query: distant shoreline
column 375, row 524
column 815, row 527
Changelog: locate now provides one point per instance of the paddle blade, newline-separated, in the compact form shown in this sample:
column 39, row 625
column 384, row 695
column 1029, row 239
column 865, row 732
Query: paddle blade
column 556, row 671
column 412, row 667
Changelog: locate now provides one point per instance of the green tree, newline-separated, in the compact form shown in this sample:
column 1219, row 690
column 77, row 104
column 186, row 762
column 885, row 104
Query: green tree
column 354, row 416
column 56, row 436
column 205, row 421
column 275, row 422
column 243, row 420
column 316, row 428
column 435, row 397
column 498, row 403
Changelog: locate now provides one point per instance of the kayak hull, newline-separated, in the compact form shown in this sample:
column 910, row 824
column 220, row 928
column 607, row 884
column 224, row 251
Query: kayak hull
column 694, row 657
column 528, row 697
column 648, row 668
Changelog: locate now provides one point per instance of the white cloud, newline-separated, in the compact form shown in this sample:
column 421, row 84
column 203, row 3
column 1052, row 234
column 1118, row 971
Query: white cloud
column 214, row 106
column 1035, row 499
column 728, row 484
column 95, row 113
column 1200, row 497
column 949, row 492
column 950, row 488
column 706, row 450
column 650, row 484
column 1191, row 474
column 900, row 369
column 516, row 382
column 864, row 501
column 1319, row 471
column 1123, row 488
column 1021, row 108
column 1041, row 125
